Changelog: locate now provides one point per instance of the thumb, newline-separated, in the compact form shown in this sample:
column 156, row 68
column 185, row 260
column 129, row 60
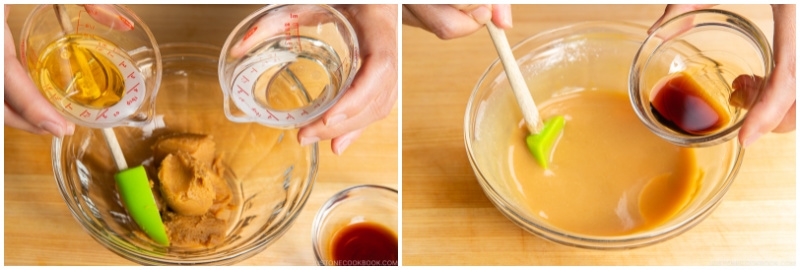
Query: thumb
column 109, row 16
column 480, row 13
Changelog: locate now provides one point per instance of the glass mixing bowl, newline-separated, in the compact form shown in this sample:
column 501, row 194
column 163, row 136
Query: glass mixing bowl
column 594, row 55
column 270, row 173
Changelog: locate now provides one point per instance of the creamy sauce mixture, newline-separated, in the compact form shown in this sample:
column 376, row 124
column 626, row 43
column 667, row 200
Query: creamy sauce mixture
column 609, row 175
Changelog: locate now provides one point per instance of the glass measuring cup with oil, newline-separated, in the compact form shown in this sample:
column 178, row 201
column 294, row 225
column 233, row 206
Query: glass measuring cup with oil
column 98, row 64
column 285, row 65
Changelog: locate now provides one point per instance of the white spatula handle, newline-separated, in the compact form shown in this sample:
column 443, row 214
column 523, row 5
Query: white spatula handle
column 524, row 99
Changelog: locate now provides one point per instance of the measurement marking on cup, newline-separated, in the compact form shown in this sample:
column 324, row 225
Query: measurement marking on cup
column 135, row 88
column 293, row 23
column 132, row 100
column 242, row 91
column 272, row 116
column 78, row 24
column 101, row 114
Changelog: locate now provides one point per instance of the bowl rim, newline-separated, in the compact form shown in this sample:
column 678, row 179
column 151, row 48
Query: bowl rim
column 553, row 233
column 150, row 257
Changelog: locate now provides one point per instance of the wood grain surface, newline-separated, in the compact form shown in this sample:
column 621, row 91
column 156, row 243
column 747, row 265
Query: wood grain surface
column 39, row 229
column 447, row 219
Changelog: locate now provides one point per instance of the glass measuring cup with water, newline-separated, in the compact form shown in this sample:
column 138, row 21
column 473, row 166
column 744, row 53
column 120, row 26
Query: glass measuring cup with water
column 99, row 65
column 285, row 65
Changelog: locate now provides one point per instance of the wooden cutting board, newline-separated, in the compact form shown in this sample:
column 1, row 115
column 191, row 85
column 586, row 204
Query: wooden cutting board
column 447, row 219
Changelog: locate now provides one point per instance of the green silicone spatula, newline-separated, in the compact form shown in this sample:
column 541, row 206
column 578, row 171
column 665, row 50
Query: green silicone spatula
column 132, row 183
column 134, row 190
column 543, row 136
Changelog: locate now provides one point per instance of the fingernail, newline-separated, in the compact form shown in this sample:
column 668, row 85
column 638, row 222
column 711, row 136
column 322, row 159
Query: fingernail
column 342, row 146
column 70, row 129
column 751, row 139
column 507, row 21
column 333, row 120
column 308, row 140
column 737, row 98
column 127, row 22
column 250, row 33
column 656, row 24
column 54, row 129
column 481, row 14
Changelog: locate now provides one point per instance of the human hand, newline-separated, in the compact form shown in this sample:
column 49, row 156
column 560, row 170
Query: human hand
column 25, row 107
column 454, row 21
column 373, row 92
column 775, row 110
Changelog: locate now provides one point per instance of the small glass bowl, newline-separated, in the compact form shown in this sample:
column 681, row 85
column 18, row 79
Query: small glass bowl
column 363, row 203
column 714, row 47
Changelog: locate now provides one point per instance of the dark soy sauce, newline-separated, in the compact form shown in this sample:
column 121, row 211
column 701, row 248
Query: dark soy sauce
column 364, row 243
column 682, row 105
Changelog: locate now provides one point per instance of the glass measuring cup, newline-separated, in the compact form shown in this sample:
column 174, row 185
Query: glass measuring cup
column 285, row 65
column 717, row 49
column 99, row 65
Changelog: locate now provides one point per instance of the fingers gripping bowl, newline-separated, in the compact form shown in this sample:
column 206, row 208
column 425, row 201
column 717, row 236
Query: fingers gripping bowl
column 269, row 173
column 599, row 193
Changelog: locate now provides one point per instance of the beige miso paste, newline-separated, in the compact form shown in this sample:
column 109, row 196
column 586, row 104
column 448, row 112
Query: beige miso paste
column 609, row 175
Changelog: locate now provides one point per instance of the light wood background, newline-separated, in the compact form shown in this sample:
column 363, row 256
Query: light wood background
column 39, row 229
column 447, row 219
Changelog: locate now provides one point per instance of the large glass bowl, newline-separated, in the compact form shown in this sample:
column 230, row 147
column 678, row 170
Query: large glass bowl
column 593, row 55
column 271, row 174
